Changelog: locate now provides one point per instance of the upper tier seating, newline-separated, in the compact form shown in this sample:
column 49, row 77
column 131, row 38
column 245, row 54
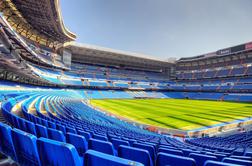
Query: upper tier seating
column 188, row 83
column 96, row 76
column 212, row 72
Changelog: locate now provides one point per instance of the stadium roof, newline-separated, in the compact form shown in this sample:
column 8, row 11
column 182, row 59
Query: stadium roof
column 38, row 20
column 89, row 53
column 242, row 48
column 12, row 67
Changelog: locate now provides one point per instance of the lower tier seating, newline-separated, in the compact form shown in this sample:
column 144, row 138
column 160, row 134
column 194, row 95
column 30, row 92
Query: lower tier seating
column 54, row 130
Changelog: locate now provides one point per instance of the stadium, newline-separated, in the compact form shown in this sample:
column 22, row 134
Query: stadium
column 64, row 103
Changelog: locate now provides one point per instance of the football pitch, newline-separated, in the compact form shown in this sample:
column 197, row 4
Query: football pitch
column 176, row 113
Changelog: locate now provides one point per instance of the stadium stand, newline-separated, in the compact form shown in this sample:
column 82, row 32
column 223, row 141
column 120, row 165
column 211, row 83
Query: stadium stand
column 158, row 149
column 46, row 117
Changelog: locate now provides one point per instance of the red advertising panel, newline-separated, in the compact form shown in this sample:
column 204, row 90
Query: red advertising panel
column 248, row 46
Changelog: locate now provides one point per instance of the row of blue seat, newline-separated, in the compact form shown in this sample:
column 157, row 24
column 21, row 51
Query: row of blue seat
column 227, row 72
column 28, row 150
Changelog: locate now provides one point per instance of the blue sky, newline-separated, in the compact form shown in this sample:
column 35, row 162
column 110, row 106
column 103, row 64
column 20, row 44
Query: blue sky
column 160, row 28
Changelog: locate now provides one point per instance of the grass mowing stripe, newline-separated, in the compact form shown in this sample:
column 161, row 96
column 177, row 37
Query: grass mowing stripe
column 178, row 123
column 220, row 115
column 163, row 123
column 230, row 113
column 208, row 118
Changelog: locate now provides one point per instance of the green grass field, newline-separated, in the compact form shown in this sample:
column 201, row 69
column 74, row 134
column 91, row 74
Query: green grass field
column 175, row 113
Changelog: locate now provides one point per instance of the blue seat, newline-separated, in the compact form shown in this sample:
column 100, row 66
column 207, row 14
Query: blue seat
column 218, row 163
column 200, row 159
column 41, row 131
column 164, row 159
column 43, row 122
column 56, row 135
column 57, row 153
column 78, row 141
column 150, row 149
column 94, row 158
column 134, row 154
column 30, row 128
column 15, row 121
column 186, row 152
column 118, row 142
column 61, row 128
column 51, row 125
column 248, row 154
column 238, row 152
column 171, row 151
column 241, row 157
column 237, row 161
column 38, row 120
column 22, row 124
column 155, row 145
column 25, row 147
column 71, row 130
column 131, row 141
column 219, row 156
column 32, row 118
column 100, row 137
column 87, row 135
column 101, row 146
column 6, row 144
column 110, row 136
column 168, row 147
